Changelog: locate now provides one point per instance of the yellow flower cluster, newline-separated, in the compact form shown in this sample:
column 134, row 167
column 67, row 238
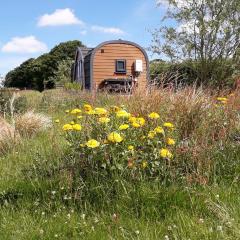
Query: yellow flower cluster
column 122, row 114
column 115, row 137
column 138, row 122
column 100, row 111
column 68, row 127
column 92, row 143
column 119, row 126
column 104, row 120
column 123, row 127
column 153, row 115
column 165, row 153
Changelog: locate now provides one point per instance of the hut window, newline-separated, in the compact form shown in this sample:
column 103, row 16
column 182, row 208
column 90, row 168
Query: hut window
column 121, row 66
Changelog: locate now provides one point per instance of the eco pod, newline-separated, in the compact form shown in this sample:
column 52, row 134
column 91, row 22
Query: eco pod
column 115, row 66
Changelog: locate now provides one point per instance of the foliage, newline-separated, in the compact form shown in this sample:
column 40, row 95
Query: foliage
column 62, row 75
column 207, row 35
column 34, row 72
column 72, row 86
column 176, row 75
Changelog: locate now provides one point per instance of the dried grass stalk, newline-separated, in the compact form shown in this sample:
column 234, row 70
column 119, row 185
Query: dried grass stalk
column 31, row 123
column 8, row 136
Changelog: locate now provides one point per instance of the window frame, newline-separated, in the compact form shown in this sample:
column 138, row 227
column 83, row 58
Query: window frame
column 124, row 70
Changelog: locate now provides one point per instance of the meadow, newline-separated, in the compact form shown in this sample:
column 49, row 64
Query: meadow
column 162, row 164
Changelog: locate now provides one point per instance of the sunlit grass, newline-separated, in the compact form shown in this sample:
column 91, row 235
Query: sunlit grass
column 50, row 190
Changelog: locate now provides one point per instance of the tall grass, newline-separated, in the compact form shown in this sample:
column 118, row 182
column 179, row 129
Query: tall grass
column 45, row 194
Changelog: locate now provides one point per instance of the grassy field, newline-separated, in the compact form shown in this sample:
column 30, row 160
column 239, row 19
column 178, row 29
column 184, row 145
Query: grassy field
column 54, row 184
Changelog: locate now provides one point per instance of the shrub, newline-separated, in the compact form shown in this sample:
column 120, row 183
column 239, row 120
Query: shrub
column 30, row 123
column 72, row 86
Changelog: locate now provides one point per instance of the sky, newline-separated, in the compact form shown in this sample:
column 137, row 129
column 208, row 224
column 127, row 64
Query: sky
column 29, row 28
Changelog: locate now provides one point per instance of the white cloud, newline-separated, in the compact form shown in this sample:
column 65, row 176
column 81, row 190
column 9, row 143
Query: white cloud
column 59, row 17
column 162, row 3
column 109, row 30
column 28, row 44
column 8, row 63
column 179, row 3
column 83, row 32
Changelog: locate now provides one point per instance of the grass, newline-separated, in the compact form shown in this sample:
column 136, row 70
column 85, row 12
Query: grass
column 43, row 196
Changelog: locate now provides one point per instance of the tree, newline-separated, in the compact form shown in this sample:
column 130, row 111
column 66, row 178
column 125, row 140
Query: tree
column 20, row 77
column 34, row 72
column 206, row 33
column 63, row 73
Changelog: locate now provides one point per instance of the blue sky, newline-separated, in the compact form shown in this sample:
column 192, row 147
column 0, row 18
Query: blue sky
column 29, row 28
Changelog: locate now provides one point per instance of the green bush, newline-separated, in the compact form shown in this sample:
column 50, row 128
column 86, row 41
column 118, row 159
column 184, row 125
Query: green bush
column 72, row 86
column 186, row 73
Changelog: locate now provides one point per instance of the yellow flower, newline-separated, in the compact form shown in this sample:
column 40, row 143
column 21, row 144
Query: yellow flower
column 72, row 122
column 87, row 107
column 144, row 164
column 132, row 119
column 57, row 121
column 92, row 143
column 130, row 147
column 136, row 125
column 222, row 99
column 79, row 117
column 104, row 120
column 115, row 137
column 76, row 111
column 170, row 141
column 100, row 111
column 67, row 127
column 123, row 114
column 67, row 111
column 154, row 115
column 90, row 112
column 115, row 108
column 158, row 130
column 77, row 127
column 123, row 127
column 139, row 122
column 165, row 153
column 151, row 134
column 168, row 125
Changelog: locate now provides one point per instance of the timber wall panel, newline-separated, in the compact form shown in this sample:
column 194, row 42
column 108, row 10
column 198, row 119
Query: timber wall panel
column 104, row 63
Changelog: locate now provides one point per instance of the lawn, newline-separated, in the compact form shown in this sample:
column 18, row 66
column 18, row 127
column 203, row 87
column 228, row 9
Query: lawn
column 159, row 165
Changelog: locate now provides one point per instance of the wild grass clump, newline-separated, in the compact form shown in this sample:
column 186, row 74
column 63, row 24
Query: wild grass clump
column 8, row 136
column 30, row 123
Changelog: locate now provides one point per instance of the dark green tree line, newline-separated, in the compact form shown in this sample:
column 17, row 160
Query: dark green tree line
column 32, row 73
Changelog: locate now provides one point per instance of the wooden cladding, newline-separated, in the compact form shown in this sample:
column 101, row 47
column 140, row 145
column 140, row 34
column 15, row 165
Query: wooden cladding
column 104, row 63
